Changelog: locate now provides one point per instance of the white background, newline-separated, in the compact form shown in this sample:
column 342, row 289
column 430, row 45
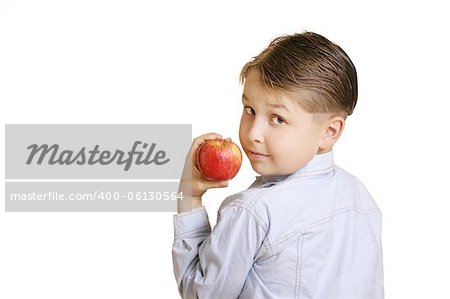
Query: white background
column 179, row 62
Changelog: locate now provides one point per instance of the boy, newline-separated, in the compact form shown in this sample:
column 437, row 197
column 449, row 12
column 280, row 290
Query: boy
column 305, row 228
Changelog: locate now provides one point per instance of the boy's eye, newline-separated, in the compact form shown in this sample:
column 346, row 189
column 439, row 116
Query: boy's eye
column 278, row 120
column 249, row 110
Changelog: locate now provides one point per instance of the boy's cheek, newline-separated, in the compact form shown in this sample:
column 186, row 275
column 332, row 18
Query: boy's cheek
column 242, row 135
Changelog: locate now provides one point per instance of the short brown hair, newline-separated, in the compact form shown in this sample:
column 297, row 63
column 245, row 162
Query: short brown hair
column 308, row 61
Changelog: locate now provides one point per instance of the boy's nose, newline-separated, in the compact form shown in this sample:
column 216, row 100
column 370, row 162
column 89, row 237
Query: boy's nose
column 256, row 132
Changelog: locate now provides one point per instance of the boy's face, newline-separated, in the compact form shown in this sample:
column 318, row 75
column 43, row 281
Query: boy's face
column 276, row 134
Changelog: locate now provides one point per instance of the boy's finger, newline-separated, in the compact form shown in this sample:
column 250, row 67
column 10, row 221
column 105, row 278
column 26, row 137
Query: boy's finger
column 199, row 140
column 218, row 184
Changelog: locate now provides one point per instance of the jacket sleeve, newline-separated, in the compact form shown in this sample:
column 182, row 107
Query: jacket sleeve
column 215, row 264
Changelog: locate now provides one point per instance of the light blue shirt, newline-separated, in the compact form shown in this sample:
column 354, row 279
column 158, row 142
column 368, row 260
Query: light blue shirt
column 313, row 234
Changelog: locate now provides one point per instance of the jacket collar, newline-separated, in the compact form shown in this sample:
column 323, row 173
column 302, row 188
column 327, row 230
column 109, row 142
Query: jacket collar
column 321, row 164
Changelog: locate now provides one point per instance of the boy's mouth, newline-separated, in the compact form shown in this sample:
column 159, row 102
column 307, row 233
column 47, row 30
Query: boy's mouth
column 256, row 155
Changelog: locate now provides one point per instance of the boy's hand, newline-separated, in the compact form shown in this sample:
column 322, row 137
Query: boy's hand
column 192, row 183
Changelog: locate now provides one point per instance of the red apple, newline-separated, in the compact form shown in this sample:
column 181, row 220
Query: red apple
column 219, row 159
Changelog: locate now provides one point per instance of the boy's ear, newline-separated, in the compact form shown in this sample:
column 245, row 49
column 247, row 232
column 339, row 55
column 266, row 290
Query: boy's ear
column 332, row 131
